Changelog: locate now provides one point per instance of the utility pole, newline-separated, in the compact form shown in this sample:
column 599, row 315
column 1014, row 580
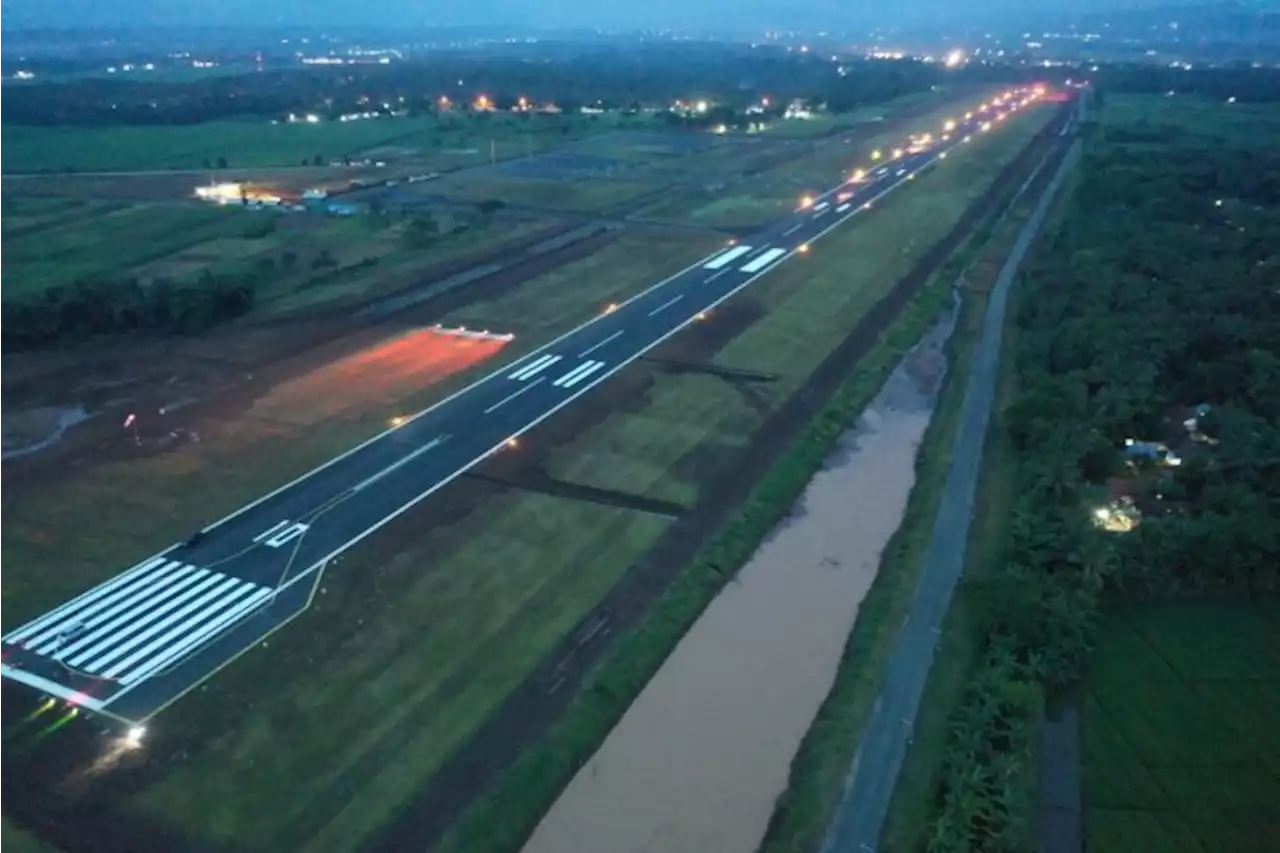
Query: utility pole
column 493, row 151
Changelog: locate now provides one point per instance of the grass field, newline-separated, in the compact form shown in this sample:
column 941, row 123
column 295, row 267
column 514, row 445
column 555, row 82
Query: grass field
column 446, row 141
column 421, row 634
column 1180, row 749
column 15, row 840
column 807, row 306
column 543, row 307
column 570, row 195
column 417, row 649
column 51, row 242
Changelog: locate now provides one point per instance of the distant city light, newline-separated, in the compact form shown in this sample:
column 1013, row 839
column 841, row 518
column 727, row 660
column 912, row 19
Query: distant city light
column 955, row 58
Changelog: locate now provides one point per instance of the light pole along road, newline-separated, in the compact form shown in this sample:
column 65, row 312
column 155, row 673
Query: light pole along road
column 136, row 643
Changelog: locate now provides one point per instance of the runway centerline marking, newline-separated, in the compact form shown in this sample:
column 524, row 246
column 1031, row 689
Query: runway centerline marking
column 373, row 478
column 512, row 396
column 664, row 306
column 597, row 346
column 793, row 229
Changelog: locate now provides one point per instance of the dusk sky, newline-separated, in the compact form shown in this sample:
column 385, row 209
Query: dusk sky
column 542, row 13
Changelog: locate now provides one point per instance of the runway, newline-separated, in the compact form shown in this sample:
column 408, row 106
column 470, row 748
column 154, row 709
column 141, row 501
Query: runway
column 133, row 645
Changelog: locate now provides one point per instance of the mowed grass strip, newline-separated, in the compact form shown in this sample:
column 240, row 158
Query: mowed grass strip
column 668, row 447
column 570, row 195
column 575, row 292
column 355, row 705
column 810, row 304
column 1180, row 748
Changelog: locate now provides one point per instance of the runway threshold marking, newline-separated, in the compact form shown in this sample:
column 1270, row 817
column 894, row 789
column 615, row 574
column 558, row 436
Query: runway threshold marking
column 579, row 373
column 512, row 396
column 599, row 344
column 140, row 622
column 535, row 367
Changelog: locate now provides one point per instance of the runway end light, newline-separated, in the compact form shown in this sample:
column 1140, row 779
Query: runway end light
column 949, row 125
column 876, row 155
column 806, row 202
column 803, row 249
column 859, row 174
column 897, row 152
column 133, row 737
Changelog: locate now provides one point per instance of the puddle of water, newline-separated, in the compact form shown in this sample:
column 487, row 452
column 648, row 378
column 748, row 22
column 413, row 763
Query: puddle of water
column 698, row 760
column 53, row 422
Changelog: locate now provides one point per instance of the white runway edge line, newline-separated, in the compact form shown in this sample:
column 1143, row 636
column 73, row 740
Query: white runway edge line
column 726, row 258
column 582, row 371
column 536, row 367
column 319, row 565
column 763, row 261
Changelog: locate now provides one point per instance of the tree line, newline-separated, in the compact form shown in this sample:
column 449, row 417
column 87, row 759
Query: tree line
column 733, row 75
column 1157, row 292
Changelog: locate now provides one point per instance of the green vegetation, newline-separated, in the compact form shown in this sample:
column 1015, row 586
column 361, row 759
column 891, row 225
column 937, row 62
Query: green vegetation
column 666, row 447
column 571, row 195
column 414, row 662
column 570, row 294
column 506, row 816
column 1150, row 298
column 1177, row 748
column 17, row 841
column 447, row 140
column 822, row 763
column 678, row 420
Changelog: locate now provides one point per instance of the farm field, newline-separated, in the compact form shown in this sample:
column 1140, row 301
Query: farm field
column 798, row 314
column 296, row 260
column 446, row 141
column 1178, row 751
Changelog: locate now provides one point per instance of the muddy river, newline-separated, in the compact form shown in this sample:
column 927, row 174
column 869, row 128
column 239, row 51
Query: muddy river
column 698, row 760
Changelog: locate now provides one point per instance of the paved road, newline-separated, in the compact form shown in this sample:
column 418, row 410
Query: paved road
column 133, row 645
column 857, row 823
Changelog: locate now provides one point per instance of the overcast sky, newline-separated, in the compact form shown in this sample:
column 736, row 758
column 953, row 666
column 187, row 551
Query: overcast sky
column 541, row 13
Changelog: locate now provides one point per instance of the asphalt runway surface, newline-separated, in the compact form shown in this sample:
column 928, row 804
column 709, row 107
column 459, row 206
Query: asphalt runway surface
column 133, row 645
column 859, row 818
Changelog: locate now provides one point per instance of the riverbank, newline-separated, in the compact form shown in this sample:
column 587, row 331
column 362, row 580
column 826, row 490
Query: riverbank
column 699, row 758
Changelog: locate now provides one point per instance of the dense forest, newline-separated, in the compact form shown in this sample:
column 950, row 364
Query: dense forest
column 728, row 74
column 1151, row 312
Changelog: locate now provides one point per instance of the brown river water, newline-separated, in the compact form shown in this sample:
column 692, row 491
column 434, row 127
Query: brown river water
column 698, row 760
